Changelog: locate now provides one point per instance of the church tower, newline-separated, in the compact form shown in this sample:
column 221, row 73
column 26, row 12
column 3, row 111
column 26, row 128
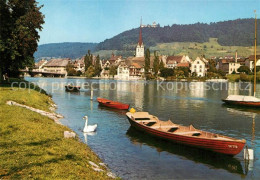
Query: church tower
column 140, row 46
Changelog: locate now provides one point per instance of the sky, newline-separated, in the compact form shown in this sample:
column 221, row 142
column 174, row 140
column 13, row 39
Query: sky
column 97, row 20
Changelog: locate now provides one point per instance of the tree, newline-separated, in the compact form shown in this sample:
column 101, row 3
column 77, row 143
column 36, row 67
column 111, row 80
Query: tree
column 88, row 60
column 70, row 70
column 156, row 63
column 257, row 69
column 147, row 61
column 90, row 71
column 21, row 22
column 185, row 70
column 244, row 69
column 165, row 72
column 97, row 66
column 113, row 71
column 161, row 65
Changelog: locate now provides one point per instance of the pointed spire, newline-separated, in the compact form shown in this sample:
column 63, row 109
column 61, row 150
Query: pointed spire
column 140, row 42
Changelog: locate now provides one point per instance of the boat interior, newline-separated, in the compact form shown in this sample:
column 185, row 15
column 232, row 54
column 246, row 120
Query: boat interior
column 153, row 122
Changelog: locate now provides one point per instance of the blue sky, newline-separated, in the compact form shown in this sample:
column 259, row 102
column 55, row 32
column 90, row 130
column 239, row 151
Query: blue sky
column 97, row 20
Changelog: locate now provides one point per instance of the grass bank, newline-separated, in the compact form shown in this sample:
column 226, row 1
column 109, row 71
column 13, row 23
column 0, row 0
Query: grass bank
column 32, row 145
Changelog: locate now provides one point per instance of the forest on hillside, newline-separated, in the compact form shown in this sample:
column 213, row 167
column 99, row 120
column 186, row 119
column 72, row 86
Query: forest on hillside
column 238, row 32
column 64, row 50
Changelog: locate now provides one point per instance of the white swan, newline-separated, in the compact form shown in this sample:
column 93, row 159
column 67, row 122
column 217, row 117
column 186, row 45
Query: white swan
column 89, row 128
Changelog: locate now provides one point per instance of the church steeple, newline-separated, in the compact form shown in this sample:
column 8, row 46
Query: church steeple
column 140, row 42
column 140, row 45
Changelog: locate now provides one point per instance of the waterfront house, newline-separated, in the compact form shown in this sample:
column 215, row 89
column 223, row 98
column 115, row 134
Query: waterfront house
column 198, row 66
column 229, row 64
column 79, row 65
column 249, row 62
column 39, row 65
column 173, row 61
column 122, row 71
column 57, row 66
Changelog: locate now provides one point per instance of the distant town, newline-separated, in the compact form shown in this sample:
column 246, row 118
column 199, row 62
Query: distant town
column 140, row 66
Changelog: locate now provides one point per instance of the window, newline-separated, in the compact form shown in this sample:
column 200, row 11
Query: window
column 194, row 66
column 200, row 70
column 198, row 62
column 200, row 66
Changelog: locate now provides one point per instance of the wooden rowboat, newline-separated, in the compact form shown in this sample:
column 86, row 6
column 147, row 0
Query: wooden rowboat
column 112, row 104
column 187, row 135
column 71, row 88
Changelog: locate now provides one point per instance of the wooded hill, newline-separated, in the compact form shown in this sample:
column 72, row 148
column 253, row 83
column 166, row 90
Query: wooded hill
column 238, row 32
column 64, row 50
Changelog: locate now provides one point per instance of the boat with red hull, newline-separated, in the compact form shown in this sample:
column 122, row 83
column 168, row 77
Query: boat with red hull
column 112, row 104
column 187, row 135
column 240, row 100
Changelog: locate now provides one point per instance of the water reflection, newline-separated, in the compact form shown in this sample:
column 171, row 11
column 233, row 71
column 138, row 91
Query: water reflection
column 251, row 113
column 212, row 159
column 88, row 134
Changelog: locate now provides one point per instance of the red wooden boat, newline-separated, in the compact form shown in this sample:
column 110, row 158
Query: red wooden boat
column 240, row 100
column 112, row 104
column 187, row 135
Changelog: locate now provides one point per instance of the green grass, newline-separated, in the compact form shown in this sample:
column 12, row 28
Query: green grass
column 209, row 49
column 32, row 145
column 193, row 49
column 233, row 77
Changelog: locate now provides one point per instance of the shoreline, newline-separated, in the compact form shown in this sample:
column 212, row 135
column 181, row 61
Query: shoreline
column 69, row 157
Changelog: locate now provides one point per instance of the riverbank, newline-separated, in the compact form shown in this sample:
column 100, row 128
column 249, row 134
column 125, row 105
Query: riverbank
column 33, row 145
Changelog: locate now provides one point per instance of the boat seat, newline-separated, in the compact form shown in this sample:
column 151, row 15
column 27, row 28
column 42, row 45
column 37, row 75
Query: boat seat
column 165, row 126
column 151, row 123
column 222, row 138
column 193, row 133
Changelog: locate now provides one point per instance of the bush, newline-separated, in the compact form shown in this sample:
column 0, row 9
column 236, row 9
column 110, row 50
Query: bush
column 244, row 69
column 244, row 77
column 165, row 72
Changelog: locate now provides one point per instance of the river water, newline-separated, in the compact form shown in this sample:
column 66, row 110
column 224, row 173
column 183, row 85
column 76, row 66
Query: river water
column 131, row 154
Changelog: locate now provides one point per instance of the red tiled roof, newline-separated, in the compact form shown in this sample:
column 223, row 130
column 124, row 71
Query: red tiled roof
column 252, row 57
column 171, row 59
column 183, row 65
column 136, row 65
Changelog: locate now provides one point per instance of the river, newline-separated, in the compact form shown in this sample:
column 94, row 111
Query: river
column 133, row 155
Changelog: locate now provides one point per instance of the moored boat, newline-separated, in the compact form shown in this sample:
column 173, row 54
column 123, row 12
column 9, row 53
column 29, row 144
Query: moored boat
column 250, row 101
column 187, row 135
column 112, row 104
column 241, row 100
column 71, row 88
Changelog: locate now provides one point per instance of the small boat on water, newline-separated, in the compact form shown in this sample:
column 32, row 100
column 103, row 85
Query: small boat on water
column 71, row 88
column 112, row 104
column 187, row 135
column 241, row 100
